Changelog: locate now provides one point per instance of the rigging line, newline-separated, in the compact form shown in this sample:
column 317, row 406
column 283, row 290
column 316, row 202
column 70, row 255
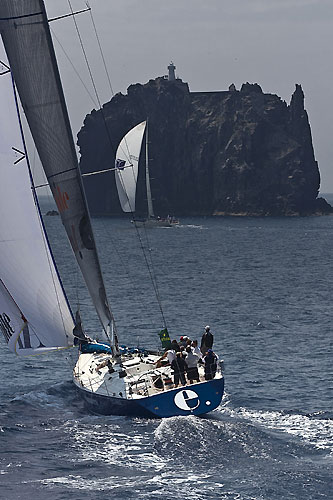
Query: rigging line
column 75, row 70
column 101, row 50
column 150, row 268
column 155, row 283
column 105, row 66
column 124, row 265
column 49, row 255
column 143, row 252
column 150, row 271
column 91, row 78
column 111, row 144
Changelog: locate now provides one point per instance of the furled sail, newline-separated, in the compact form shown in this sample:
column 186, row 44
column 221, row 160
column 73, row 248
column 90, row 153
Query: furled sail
column 28, row 44
column 126, row 166
column 34, row 314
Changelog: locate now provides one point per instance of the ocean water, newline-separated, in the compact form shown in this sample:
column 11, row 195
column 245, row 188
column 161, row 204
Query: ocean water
column 264, row 285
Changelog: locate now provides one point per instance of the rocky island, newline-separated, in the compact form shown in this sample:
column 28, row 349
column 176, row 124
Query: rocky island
column 235, row 152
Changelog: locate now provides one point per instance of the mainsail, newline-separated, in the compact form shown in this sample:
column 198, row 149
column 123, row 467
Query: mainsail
column 126, row 167
column 28, row 44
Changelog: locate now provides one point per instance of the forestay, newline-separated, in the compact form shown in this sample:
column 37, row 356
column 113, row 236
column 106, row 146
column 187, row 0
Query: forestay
column 126, row 167
column 27, row 40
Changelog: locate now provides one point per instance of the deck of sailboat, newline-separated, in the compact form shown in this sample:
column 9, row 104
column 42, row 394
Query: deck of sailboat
column 135, row 377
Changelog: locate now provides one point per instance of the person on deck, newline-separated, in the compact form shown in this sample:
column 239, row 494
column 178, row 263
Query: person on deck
column 183, row 351
column 175, row 346
column 192, row 365
column 207, row 340
column 182, row 341
column 210, row 361
column 196, row 349
column 167, row 358
column 179, row 367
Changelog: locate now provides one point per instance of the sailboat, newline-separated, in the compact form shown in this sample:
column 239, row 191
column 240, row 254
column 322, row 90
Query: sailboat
column 126, row 174
column 35, row 315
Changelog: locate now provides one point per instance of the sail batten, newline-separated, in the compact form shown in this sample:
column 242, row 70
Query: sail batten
column 31, row 56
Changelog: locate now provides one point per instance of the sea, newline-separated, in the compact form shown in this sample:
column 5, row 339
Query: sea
column 264, row 285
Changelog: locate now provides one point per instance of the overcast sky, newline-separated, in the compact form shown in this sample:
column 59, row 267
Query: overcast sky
column 213, row 43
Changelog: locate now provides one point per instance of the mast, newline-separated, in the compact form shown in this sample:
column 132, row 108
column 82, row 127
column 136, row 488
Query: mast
column 149, row 198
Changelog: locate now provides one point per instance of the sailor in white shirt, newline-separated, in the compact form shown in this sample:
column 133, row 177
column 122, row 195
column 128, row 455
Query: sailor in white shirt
column 171, row 355
column 196, row 349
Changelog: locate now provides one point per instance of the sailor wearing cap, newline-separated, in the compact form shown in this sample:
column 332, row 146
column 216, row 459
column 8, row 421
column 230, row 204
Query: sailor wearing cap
column 183, row 340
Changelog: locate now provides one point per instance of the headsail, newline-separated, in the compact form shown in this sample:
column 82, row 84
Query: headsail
column 34, row 314
column 25, row 338
column 126, row 166
column 27, row 40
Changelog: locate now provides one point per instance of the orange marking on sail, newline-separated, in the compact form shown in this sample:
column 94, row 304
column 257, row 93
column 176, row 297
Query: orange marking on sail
column 60, row 199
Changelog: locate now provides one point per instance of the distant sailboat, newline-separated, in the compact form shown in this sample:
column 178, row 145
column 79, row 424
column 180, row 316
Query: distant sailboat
column 126, row 174
column 35, row 315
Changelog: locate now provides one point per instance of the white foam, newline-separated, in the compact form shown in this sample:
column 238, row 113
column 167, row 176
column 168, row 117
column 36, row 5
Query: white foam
column 314, row 431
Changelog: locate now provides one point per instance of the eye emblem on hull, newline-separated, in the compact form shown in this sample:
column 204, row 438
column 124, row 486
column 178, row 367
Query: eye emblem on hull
column 187, row 400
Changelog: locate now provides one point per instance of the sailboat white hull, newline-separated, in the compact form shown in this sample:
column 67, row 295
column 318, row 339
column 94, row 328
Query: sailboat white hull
column 158, row 222
column 131, row 388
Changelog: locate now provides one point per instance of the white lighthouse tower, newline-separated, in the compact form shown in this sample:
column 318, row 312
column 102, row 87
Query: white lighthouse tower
column 171, row 69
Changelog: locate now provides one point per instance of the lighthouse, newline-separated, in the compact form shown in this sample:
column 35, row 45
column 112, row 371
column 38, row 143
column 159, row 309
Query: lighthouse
column 171, row 69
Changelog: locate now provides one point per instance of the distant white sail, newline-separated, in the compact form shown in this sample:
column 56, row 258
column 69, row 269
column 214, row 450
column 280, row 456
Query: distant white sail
column 126, row 167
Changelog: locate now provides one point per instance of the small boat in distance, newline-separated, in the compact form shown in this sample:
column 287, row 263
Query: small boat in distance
column 126, row 174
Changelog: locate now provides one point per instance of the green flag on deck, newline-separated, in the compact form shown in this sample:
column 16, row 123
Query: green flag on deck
column 165, row 339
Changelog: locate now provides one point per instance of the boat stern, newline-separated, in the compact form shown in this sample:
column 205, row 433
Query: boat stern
column 195, row 399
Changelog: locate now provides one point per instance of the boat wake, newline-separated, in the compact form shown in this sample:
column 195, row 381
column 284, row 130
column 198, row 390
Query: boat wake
column 314, row 429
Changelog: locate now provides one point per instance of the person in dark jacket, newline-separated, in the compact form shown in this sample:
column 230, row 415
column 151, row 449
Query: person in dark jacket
column 175, row 346
column 207, row 340
column 179, row 367
column 210, row 361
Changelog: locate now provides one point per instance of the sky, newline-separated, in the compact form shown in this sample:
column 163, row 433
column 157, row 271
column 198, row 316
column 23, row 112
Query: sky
column 213, row 43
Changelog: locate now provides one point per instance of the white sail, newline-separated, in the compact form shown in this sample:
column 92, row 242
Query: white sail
column 22, row 337
column 30, row 286
column 28, row 44
column 126, row 167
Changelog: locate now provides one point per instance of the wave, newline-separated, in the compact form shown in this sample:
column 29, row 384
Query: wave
column 314, row 429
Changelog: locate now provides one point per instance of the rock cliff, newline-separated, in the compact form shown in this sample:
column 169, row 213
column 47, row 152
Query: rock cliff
column 224, row 153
